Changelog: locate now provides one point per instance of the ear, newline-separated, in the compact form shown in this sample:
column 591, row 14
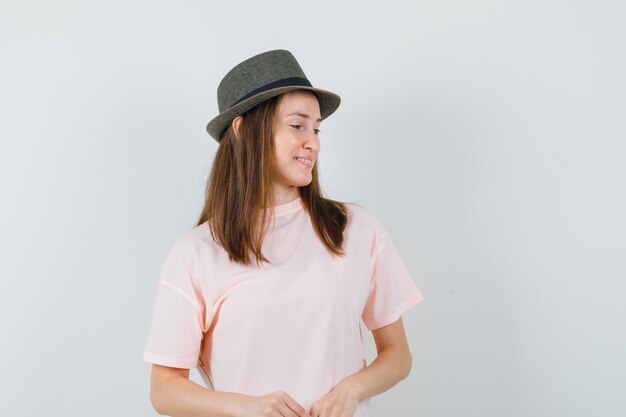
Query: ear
column 236, row 124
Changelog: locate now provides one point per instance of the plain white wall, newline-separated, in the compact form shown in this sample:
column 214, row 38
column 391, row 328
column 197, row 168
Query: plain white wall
column 487, row 136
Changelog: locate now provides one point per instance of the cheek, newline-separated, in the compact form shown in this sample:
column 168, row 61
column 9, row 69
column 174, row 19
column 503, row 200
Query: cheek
column 283, row 147
column 281, row 154
column 282, row 143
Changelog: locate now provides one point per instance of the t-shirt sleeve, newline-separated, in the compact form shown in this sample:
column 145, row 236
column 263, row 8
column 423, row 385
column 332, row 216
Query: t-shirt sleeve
column 177, row 324
column 392, row 290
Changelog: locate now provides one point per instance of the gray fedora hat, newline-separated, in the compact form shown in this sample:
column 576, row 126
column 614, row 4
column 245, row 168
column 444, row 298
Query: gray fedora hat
column 259, row 78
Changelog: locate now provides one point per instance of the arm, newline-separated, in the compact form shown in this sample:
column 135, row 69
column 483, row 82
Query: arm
column 172, row 393
column 392, row 364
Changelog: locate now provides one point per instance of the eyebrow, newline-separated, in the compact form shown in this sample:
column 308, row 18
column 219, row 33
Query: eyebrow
column 306, row 116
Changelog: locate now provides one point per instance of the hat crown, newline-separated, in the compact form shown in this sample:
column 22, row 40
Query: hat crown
column 254, row 73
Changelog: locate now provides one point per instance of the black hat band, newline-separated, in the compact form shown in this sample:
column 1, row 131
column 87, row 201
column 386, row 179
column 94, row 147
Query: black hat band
column 285, row 82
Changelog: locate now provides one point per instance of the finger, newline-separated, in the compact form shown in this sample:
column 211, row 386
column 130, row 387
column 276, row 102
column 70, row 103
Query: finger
column 287, row 412
column 296, row 407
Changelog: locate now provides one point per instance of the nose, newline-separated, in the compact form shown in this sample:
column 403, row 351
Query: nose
column 312, row 142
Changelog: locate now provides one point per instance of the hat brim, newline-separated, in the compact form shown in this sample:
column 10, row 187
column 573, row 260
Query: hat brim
column 329, row 102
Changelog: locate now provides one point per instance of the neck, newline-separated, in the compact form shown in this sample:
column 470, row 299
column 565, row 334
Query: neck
column 283, row 195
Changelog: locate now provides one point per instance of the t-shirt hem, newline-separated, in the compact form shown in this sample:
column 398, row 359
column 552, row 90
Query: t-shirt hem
column 167, row 361
column 391, row 318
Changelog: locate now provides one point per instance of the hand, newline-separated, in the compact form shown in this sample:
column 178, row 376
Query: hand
column 341, row 401
column 275, row 404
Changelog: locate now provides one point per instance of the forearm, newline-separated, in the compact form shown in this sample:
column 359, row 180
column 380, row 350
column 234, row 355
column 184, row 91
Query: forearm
column 179, row 396
column 391, row 365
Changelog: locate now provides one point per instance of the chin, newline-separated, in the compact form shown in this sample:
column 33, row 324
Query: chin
column 302, row 183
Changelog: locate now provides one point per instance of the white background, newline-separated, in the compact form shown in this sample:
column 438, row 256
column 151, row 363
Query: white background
column 489, row 138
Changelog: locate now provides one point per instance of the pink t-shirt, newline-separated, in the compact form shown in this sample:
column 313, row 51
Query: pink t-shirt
column 293, row 325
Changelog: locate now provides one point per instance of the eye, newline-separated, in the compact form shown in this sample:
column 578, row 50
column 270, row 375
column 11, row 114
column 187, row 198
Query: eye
column 317, row 131
column 296, row 126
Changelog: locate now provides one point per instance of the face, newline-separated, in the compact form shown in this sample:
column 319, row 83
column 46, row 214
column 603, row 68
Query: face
column 296, row 142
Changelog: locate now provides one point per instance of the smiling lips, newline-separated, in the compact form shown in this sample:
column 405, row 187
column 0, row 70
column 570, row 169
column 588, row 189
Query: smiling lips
column 304, row 161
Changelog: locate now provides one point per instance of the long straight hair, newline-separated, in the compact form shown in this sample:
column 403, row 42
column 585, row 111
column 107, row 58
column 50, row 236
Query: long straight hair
column 239, row 197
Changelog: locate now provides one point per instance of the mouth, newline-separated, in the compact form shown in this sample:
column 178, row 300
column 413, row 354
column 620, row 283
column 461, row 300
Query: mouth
column 304, row 161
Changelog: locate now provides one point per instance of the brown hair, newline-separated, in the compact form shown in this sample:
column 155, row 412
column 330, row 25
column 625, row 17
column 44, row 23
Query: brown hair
column 239, row 189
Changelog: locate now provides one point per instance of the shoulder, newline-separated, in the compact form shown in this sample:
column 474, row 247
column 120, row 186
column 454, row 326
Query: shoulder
column 361, row 216
column 363, row 222
column 193, row 241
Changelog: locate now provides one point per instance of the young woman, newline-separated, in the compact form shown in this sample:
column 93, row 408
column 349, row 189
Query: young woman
column 265, row 295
